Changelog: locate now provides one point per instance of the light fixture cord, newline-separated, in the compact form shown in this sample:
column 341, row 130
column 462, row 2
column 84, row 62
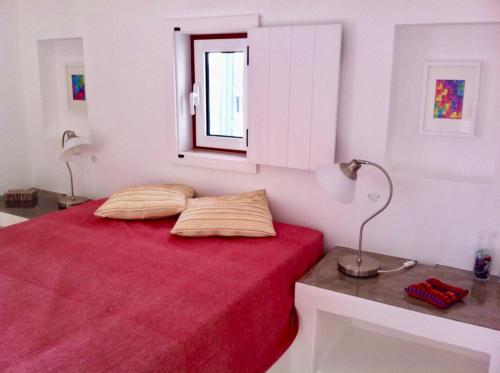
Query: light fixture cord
column 360, row 245
column 69, row 134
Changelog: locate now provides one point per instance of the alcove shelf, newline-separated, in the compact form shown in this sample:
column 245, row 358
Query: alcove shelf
column 463, row 159
column 55, row 56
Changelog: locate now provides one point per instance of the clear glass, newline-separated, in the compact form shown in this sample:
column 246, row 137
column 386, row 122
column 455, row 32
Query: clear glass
column 224, row 79
column 483, row 256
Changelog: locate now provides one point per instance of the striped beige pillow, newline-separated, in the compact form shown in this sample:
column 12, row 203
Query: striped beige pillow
column 146, row 202
column 245, row 214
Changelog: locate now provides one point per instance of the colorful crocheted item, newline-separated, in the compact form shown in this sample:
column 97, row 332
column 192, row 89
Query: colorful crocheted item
column 436, row 292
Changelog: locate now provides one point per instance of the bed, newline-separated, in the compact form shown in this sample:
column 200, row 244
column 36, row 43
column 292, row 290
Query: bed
column 84, row 294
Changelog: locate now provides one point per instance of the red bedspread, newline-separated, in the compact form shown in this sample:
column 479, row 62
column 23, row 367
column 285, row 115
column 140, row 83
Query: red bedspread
column 83, row 294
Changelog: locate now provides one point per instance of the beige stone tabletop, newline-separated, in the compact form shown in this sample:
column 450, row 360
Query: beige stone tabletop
column 47, row 202
column 481, row 307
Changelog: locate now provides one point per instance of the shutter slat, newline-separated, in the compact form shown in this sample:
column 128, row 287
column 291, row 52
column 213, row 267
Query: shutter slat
column 301, row 89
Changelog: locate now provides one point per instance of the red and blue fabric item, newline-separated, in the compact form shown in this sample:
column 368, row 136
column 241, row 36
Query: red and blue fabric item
column 436, row 292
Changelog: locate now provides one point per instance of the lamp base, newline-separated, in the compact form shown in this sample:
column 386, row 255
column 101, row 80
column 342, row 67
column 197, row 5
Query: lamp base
column 68, row 201
column 367, row 268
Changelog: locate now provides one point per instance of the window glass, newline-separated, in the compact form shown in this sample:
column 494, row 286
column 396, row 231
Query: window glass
column 224, row 73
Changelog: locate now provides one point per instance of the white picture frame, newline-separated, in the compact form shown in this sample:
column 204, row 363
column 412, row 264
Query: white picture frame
column 77, row 99
column 449, row 98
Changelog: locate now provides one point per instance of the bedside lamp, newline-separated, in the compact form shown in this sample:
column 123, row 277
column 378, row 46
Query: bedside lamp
column 340, row 180
column 72, row 147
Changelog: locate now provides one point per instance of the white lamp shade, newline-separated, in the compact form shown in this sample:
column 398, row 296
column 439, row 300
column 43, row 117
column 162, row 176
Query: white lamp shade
column 336, row 183
column 73, row 147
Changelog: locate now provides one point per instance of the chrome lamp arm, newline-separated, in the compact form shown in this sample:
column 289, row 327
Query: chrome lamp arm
column 391, row 189
column 66, row 136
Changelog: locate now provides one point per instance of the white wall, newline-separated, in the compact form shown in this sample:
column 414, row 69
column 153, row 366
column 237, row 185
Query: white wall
column 467, row 158
column 131, row 106
column 14, row 146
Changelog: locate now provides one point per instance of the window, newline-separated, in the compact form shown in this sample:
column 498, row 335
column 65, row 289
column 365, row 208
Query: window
column 276, row 108
column 218, row 69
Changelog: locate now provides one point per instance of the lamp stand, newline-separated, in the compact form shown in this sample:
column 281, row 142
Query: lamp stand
column 359, row 265
column 68, row 201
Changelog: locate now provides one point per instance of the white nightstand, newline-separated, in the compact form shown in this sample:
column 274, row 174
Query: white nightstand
column 9, row 219
column 47, row 202
column 351, row 324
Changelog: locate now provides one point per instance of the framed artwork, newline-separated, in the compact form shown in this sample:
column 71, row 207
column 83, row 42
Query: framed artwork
column 449, row 98
column 75, row 76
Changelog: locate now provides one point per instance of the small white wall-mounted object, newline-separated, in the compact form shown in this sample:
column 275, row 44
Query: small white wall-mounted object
column 293, row 95
column 466, row 72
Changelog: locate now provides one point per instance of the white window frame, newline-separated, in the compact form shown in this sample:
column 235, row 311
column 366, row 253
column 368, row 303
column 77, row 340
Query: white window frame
column 181, row 150
column 201, row 47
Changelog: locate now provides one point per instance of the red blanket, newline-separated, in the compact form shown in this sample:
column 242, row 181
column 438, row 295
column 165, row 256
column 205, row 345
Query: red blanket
column 83, row 294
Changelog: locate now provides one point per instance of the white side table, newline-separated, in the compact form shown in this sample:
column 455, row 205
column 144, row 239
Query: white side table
column 351, row 324
column 47, row 202
column 9, row 219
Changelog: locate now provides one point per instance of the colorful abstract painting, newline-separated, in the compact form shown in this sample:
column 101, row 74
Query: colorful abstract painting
column 449, row 99
column 78, row 87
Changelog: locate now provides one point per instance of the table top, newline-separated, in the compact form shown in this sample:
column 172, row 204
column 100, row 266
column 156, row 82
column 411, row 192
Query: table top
column 481, row 307
column 47, row 202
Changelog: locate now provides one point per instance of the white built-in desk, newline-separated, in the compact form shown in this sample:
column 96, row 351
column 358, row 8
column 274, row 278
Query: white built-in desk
column 47, row 202
column 359, row 325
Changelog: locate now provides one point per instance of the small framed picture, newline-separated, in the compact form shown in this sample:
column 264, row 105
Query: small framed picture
column 449, row 98
column 76, row 87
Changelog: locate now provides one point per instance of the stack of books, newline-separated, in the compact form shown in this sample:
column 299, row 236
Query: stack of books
column 21, row 198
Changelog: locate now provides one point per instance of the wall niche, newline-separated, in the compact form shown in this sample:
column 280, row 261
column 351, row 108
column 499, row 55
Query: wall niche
column 409, row 152
column 62, row 86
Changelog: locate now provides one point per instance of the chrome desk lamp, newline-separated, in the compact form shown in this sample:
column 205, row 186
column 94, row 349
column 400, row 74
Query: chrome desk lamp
column 72, row 145
column 340, row 180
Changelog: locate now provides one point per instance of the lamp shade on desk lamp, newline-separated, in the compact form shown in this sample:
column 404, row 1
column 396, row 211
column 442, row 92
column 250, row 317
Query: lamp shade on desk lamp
column 73, row 147
column 333, row 179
